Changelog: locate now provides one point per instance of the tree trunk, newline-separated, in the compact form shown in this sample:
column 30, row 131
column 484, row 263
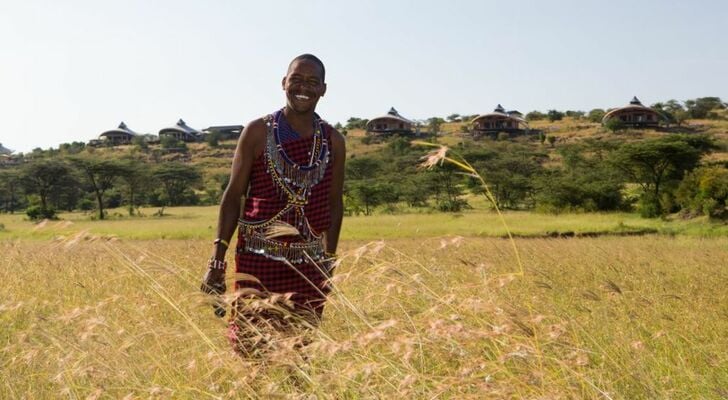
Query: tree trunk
column 43, row 201
column 131, row 202
column 100, row 200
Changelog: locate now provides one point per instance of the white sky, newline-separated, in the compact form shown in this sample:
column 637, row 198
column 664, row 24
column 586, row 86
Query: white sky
column 72, row 69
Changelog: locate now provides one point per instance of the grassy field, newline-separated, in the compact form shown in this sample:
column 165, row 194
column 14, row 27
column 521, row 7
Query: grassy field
column 199, row 223
column 110, row 309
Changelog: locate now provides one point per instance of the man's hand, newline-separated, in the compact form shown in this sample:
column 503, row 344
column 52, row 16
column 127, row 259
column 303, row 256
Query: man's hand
column 214, row 283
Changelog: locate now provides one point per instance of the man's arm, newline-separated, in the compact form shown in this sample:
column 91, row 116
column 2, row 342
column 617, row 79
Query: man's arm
column 249, row 146
column 336, row 201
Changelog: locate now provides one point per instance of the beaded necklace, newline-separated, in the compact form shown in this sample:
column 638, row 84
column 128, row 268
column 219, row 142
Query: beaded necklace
column 292, row 177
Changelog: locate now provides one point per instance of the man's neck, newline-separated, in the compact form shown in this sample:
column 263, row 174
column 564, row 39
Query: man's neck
column 301, row 123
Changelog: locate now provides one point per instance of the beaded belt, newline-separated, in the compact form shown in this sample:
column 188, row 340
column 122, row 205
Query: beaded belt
column 257, row 242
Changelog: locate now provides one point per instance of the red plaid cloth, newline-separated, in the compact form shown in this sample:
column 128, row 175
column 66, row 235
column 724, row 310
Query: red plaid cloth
column 305, row 281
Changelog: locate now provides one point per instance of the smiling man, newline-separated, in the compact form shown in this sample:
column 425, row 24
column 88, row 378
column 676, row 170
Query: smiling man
column 289, row 167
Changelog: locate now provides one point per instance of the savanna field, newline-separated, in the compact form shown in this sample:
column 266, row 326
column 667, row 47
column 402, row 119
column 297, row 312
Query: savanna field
column 425, row 306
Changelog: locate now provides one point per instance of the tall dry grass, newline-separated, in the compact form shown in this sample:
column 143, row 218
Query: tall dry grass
column 436, row 318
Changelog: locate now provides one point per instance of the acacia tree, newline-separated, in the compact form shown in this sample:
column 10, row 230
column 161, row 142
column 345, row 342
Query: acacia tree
column 367, row 194
column 434, row 124
column 136, row 178
column 447, row 186
column 585, row 181
column 177, row 180
column 44, row 177
column 362, row 168
column 99, row 175
column 9, row 188
column 654, row 164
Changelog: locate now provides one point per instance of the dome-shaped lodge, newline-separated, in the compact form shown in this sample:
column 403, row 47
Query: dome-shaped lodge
column 499, row 120
column 181, row 131
column 5, row 151
column 120, row 135
column 225, row 132
column 390, row 123
column 634, row 115
column 6, row 156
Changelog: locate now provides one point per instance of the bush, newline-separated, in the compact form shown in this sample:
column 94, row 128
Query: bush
column 169, row 142
column 615, row 125
column 37, row 212
column 596, row 115
column 535, row 116
column 140, row 142
column 455, row 205
column 86, row 205
column 213, row 139
column 705, row 191
column 649, row 206
column 554, row 115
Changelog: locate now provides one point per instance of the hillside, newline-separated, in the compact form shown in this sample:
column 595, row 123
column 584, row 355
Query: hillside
column 568, row 165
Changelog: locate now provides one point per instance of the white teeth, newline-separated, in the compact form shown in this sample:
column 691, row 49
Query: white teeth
column 301, row 97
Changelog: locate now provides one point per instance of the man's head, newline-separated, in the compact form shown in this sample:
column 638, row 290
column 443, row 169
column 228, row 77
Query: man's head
column 304, row 83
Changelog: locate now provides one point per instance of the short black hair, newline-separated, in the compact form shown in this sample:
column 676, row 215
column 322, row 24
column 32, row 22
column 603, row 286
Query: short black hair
column 312, row 58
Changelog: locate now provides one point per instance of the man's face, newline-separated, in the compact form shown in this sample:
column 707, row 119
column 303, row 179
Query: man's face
column 304, row 85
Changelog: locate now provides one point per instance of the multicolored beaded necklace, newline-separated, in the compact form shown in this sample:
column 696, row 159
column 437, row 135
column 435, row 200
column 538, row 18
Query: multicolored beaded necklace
column 294, row 179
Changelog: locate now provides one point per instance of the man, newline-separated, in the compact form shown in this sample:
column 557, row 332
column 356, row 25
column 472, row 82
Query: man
column 289, row 166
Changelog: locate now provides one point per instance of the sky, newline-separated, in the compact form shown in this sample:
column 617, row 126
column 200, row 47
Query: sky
column 70, row 70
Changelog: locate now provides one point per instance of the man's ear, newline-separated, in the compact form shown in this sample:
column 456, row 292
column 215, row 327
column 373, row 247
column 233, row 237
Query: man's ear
column 283, row 83
column 324, row 91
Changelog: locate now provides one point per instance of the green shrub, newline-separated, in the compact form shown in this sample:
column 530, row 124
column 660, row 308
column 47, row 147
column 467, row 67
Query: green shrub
column 535, row 116
column 37, row 213
column 649, row 206
column 86, row 205
column 615, row 125
column 596, row 115
column 213, row 139
column 705, row 191
column 453, row 205
column 555, row 115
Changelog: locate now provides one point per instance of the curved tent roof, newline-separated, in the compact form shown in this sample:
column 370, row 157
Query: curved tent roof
column 5, row 150
column 634, row 105
column 122, row 129
column 180, row 127
column 501, row 112
column 392, row 114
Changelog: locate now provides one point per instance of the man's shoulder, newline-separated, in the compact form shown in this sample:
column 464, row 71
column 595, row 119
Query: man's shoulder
column 255, row 130
column 338, row 141
column 333, row 132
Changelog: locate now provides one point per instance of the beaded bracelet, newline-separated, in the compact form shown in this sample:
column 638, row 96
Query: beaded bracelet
column 222, row 241
column 217, row 264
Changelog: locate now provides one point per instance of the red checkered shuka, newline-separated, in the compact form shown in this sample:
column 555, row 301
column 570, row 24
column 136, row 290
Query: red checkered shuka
column 262, row 203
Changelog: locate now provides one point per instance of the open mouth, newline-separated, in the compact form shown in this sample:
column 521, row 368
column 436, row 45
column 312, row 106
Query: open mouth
column 301, row 97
